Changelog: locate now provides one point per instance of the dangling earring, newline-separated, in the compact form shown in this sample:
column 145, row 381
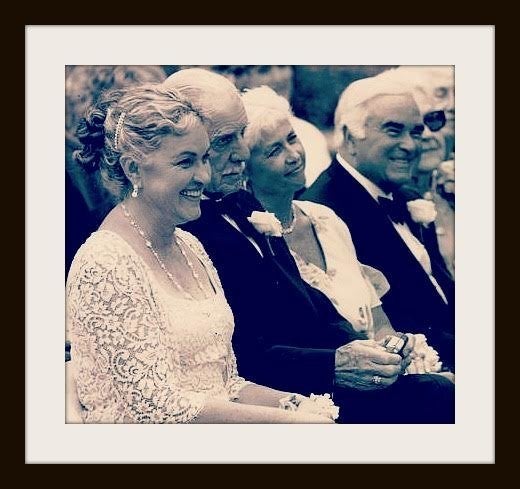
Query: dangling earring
column 134, row 192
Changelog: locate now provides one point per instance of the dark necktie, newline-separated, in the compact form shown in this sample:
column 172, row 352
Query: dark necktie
column 395, row 211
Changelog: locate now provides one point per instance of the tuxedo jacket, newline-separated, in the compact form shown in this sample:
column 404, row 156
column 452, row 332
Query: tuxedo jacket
column 286, row 332
column 412, row 304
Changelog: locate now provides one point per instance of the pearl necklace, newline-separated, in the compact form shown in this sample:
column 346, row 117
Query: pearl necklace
column 148, row 244
column 290, row 228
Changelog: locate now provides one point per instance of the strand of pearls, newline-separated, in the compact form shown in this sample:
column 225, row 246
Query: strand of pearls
column 289, row 229
column 149, row 245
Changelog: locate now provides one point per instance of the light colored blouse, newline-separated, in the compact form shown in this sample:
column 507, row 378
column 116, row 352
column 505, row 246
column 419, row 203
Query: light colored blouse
column 353, row 288
column 141, row 353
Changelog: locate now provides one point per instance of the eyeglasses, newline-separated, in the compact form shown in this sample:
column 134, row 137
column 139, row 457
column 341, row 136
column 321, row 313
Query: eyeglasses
column 435, row 120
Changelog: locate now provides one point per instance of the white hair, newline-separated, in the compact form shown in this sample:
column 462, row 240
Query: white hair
column 209, row 92
column 264, row 108
column 352, row 109
column 422, row 81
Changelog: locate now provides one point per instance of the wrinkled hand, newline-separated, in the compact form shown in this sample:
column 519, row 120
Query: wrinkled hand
column 358, row 361
column 446, row 176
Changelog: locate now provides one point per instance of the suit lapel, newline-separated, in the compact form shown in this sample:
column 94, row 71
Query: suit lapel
column 238, row 206
column 369, row 208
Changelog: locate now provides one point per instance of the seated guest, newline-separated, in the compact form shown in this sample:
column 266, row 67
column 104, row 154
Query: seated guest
column 281, row 79
column 432, row 164
column 319, row 241
column 439, row 85
column 380, row 129
column 87, row 202
column 288, row 335
column 149, row 324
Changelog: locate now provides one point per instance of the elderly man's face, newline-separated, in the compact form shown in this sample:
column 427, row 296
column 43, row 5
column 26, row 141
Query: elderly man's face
column 393, row 141
column 228, row 151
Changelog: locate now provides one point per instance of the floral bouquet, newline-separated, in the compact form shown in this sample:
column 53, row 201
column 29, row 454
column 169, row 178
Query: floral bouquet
column 321, row 405
column 424, row 358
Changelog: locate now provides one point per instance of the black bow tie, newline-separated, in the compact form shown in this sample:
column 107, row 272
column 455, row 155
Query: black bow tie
column 396, row 211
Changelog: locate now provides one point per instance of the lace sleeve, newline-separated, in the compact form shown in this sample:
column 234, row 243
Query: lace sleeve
column 126, row 362
column 235, row 383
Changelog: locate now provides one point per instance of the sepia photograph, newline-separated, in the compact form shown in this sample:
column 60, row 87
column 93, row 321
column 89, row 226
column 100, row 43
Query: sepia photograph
column 259, row 246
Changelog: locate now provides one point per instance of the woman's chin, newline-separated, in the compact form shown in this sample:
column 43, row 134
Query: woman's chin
column 297, row 182
column 188, row 217
column 300, row 186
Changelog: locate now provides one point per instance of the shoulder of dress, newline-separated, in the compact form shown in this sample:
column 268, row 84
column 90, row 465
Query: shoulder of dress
column 314, row 209
column 106, row 241
column 193, row 242
column 103, row 249
column 188, row 238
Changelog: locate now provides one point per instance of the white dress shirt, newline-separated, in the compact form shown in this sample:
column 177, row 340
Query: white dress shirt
column 414, row 245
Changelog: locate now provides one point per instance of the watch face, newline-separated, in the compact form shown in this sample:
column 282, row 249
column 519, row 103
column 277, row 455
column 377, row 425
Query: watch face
column 395, row 344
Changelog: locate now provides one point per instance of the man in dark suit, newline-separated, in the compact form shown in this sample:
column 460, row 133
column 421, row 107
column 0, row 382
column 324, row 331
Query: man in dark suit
column 288, row 335
column 380, row 127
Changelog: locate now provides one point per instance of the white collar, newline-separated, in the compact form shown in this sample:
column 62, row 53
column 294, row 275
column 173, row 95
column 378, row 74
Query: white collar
column 367, row 184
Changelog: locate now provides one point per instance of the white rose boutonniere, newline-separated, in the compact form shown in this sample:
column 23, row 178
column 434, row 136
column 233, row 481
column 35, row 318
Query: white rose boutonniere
column 266, row 223
column 422, row 211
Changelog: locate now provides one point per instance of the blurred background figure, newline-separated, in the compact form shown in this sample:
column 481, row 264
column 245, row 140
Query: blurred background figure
column 434, row 174
column 440, row 83
column 434, row 88
column 87, row 202
column 281, row 79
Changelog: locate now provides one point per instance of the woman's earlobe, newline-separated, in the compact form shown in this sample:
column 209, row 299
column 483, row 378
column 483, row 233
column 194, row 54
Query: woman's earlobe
column 130, row 168
column 133, row 168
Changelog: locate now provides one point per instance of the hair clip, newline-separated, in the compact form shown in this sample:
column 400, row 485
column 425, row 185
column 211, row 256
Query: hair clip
column 118, row 128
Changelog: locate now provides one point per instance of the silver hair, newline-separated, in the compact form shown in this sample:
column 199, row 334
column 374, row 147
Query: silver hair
column 264, row 108
column 206, row 90
column 420, row 80
column 352, row 109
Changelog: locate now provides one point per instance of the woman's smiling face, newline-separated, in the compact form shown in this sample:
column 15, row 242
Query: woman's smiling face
column 277, row 160
column 173, row 176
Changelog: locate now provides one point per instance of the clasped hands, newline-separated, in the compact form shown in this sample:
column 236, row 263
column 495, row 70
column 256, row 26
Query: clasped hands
column 359, row 362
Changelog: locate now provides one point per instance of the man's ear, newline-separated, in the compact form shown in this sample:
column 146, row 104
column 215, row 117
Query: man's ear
column 349, row 141
column 131, row 169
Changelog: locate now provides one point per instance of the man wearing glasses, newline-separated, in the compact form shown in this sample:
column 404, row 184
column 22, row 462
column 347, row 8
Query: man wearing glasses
column 379, row 131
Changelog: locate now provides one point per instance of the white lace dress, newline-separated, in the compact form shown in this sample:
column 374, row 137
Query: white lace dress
column 352, row 287
column 140, row 353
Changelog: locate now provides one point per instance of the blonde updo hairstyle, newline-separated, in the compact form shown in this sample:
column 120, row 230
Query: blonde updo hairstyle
column 125, row 126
